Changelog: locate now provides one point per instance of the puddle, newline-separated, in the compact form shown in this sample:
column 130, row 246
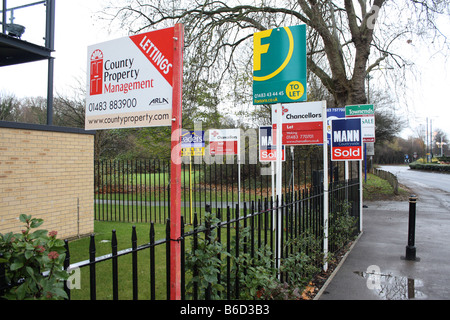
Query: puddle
column 390, row 287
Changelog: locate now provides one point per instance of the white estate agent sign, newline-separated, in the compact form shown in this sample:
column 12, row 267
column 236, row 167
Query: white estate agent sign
column 129, row 82
column 224, row 141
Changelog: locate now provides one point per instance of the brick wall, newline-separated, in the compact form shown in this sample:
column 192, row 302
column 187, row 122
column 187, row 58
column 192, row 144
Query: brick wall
column 47, row 172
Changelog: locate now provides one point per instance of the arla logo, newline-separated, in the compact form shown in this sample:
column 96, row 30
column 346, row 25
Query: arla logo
column 96, row 71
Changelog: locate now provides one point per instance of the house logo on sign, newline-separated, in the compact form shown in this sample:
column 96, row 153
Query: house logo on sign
column 96, row 71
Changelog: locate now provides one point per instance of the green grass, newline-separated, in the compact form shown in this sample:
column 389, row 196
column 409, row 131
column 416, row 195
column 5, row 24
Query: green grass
column 154, row 179
column 79, row 251
column 379, row 189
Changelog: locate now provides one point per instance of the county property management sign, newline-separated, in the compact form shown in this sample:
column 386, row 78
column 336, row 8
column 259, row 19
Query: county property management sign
column 279, row 65
column 129, row 81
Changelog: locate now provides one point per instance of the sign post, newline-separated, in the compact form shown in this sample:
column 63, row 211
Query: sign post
column 279, row 76
column 367, row 114
column 278, row 179
column 325, row 185
column 346, row 144
column 134, row 82
column 192, row 144
column 175, row 167
column 227, row 142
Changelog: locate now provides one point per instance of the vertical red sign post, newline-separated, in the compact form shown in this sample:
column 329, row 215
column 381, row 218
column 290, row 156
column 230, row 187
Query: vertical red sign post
column 175, row 168
column 125, row 76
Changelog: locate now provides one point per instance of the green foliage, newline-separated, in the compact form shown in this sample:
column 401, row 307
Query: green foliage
column 205, row 259
column 33, row 262
column 342, row 225
column 304, row 260
column 430, row 166
column 252, row 272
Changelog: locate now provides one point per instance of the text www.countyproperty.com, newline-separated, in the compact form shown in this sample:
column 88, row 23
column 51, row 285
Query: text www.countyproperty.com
column 124, row 120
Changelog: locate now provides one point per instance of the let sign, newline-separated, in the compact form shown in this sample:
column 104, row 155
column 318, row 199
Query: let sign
column 279, row 65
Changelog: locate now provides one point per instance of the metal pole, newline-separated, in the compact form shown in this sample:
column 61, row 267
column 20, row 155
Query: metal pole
column 4, row 6
column 325, row 186
column 279, row 133
column 50, row 44
column 410, row 248
column 51, row 61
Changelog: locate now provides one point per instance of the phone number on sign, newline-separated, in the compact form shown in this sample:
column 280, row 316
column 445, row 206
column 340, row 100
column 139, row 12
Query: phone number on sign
column 268, row 97
column 112, row 105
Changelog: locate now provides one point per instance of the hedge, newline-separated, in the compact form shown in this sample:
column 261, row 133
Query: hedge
column 430, row 167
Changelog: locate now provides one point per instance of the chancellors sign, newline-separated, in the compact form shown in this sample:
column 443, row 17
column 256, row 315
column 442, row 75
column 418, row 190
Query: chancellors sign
column 129, row 82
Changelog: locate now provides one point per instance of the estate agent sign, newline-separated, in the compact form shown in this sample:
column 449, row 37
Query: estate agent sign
column 302, row 123
column 130, row 81
column 367, row 114
column 279, row 65
column 346, row 139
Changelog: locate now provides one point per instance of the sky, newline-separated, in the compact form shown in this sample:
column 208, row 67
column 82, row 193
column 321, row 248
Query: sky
column 77, row 27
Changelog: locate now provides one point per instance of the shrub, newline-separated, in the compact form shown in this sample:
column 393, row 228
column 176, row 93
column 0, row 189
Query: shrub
column 33, row 262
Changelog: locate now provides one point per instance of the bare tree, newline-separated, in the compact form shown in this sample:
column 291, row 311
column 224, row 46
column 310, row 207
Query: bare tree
column 346, row 39
column 8, row 107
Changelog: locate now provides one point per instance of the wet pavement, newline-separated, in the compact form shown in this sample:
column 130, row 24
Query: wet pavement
column 375, row 267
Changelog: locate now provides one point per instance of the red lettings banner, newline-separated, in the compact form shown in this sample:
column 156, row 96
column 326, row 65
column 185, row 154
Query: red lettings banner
column 158, row 49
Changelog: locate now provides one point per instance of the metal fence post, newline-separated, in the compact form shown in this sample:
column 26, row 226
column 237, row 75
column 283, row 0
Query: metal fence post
column 411, row 248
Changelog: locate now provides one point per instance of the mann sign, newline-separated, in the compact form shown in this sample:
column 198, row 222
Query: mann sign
column 346, row 140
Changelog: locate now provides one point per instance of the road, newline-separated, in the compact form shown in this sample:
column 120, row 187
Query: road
column 432, row 187
column 375, row 270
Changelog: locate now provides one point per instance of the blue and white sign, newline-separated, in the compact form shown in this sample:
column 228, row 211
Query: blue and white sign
column 333, row 113
column 346, row 139
column 267, row 144
column 192, row 143
column 192, row 139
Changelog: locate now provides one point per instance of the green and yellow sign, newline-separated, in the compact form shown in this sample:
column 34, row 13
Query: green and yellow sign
column 279, row 65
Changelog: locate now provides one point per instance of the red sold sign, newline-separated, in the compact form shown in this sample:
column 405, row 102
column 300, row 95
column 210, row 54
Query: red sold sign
column 267, row 144
column 346, row 140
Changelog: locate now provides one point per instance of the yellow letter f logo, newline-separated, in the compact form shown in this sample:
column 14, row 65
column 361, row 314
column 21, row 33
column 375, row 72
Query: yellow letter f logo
column 258, row 48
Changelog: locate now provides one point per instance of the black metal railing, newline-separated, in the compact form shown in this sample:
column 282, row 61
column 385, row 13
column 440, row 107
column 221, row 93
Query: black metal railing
column 300, row 212
column 266, row 225
column 138, row 190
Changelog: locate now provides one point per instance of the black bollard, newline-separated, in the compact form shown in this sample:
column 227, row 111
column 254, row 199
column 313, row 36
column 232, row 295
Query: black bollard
column 411, row 248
